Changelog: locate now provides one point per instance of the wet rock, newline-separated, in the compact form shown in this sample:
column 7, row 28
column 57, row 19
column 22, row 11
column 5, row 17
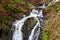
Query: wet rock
column 27, row 28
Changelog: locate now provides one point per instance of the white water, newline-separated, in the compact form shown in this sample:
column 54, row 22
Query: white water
column 31, row 37
column 55, row 0
column 18, row 35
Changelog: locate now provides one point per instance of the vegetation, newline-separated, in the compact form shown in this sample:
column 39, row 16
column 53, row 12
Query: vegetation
column 52, row 27
column 11, row 10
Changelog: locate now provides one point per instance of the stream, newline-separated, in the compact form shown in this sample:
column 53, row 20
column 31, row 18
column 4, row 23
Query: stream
column 18, row 34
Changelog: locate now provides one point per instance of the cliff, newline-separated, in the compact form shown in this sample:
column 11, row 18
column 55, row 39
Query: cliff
column 12, row 10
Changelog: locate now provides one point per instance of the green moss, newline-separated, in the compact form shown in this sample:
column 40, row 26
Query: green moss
column 45, row 34
column 31, row 22
column 2, row 1
column 15, row 13
column 53, row 8
column 52, row 22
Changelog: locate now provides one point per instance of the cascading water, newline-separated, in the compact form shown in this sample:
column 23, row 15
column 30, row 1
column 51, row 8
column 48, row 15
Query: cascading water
column 32, row 35
column 18, row 35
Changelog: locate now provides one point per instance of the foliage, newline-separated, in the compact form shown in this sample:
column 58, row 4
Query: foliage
column 44, row 35
column 52, row 22
column 10, row 11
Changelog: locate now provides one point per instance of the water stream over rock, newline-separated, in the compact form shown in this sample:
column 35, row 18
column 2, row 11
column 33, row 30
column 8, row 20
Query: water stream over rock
column 18, row 33
column 22, row 32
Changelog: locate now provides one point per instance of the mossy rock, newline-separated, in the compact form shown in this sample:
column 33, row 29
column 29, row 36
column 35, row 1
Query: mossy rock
column 51, row 31
column 27, row 28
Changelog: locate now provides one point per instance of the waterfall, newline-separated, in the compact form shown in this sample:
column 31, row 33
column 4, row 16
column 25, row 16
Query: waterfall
column 55, row 0
column 31, row 37
column 18, row 35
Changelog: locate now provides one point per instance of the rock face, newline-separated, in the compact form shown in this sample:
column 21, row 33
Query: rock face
column 9, row 13
column 28, row 26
